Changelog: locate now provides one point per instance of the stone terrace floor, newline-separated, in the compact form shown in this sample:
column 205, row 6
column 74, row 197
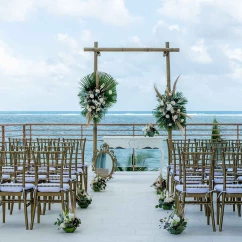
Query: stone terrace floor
column 124, row 212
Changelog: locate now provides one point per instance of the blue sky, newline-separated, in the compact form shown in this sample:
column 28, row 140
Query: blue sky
column 42, row 57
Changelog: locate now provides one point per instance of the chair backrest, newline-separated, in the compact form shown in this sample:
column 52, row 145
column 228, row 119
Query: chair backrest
column 53, row 159
column 200, row 164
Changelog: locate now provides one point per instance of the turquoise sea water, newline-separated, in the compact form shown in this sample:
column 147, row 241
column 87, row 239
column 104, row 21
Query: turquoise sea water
column 150, row 157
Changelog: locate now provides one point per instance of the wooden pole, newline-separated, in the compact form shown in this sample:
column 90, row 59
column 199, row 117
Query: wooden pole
column 168, row 75
column 132, row 49
column 97, row 86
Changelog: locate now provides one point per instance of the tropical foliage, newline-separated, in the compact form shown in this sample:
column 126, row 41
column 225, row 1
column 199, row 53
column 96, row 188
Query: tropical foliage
column 170, row 112
column 95, row 102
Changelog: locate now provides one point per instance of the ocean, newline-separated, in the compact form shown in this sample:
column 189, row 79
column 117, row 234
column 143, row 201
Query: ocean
column 149, row 158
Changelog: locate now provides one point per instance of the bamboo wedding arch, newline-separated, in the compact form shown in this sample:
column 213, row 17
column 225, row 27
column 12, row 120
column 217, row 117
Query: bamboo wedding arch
column 97, row 50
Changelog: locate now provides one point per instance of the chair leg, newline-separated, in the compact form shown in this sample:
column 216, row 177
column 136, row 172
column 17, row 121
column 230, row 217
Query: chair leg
column 3, row 208
column 26, row 211
column 222, row 213
column 239, row 206
column 218, row 204
column 11, row 204
column 33, row 210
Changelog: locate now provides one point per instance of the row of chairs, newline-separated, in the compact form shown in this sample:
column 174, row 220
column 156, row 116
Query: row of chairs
column 199, row 175
column 37, row 173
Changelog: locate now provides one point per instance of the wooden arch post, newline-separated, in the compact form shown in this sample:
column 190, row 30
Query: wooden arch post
column 97, row 50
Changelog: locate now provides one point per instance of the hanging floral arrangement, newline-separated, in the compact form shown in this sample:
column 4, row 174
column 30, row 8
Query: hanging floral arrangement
column 170, row 112
column 96, row 101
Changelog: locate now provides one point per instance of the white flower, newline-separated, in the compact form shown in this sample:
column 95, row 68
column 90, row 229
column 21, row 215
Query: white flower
column 173, row 102
column 110, row 92
column 172, row 110
column 175, row 117
column 169, row 107
column 93, row 107
column 170, row 124
column 98, row 109
column 170, row 94
column 167, row 116
column 96, row 116
column 182, row 120
column 71, row 215
column 102, row 86
column 91, row 96
column 101, row 100
column 161, row 110
column 178, row 110
column 89, row 109
column 62, row 225
column 97, row 91
column 161, row 102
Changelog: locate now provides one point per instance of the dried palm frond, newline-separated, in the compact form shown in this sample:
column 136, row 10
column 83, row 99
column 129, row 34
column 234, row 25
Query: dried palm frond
column 89, row 118
column 184, row 114
column 180, row 127
column 174, row 86
column 158, row 93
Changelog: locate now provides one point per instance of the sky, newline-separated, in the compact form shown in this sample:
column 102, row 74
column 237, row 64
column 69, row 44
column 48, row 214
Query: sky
column 42, row 56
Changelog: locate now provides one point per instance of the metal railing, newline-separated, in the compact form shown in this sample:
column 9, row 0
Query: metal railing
column 33, row 131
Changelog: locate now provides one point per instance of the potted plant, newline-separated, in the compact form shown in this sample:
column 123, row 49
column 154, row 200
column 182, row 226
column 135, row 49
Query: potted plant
column 98, row 184
column 175, row 223
column 68, row 221
column 83, row 199
column 150, row 130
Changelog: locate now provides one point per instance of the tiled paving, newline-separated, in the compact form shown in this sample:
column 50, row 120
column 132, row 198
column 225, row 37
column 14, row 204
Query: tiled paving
column 124, row 212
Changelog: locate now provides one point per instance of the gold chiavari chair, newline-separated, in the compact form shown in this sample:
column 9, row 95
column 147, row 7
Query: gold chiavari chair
column 9, row 191
column 56, row 192
column 201, row 193
column 229, row 193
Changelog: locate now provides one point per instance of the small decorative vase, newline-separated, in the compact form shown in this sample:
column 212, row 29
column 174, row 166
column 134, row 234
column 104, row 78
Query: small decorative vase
column 177, row 231
column 83, row 205
column 150, row 134
column 167, row 206
column 69, row 230
column 96, row 189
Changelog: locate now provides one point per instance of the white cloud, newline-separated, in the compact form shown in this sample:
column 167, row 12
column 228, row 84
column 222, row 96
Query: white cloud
column 108, row 11
column 16, row 10
column 199, row 53
column 136, row 41
column 70, row 42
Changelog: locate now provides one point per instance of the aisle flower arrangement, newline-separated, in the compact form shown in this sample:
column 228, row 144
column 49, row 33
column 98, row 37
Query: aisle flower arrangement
column 83, row 199
column 170, row 112
column 96, row 101
column 68, row 221
column 159, row 184
column 98, row 184
column 165, row 201
column 175, row 223
column 150, row 130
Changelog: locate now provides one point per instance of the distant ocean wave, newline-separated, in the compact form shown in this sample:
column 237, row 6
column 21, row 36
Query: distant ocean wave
column 118, row 113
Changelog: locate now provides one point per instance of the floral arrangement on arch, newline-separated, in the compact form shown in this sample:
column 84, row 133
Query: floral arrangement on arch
column 96, row 101
column 170, row 112
column 67, row 219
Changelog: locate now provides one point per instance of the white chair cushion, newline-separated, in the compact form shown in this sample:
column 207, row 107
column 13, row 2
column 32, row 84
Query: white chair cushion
column 220, row 179
column 229, row 189
column 56, row 178
column 14, row 187
column 53, row 187
column 189, row 179
column 5, row 176
column 202, row 189
column 30, row 178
